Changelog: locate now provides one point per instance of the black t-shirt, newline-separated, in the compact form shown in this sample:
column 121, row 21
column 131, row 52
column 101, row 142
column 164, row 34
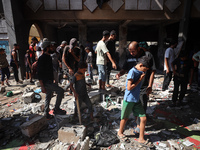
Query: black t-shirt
column 110, row 44
column 70, row 60
column 45, row 68
column 131, row 61
column 182, row 67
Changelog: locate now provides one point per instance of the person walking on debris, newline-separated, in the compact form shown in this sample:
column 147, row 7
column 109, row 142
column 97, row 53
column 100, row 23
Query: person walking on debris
column 169, row 57
column 89, row 62
column 181, row 67
column 15, row 63
column 102, row 51
column 4, row 70
column 110, row 44
column 131, row 102
column 80, row 91
column 135, row 54
column 196, row 57
column 45, row 76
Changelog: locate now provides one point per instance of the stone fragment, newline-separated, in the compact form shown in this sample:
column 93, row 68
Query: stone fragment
column 33, row 126
column 2, row 89
column 28, row 97
column 71, row 134
column 37, row 83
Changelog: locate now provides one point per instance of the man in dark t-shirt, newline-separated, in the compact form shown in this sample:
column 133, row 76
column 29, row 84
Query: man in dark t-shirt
column 110, row 44
column 45, row 76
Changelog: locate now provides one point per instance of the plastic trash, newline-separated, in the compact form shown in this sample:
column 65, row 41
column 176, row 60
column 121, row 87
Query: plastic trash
column 9, row 94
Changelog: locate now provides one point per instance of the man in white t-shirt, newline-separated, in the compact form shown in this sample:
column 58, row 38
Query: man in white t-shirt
column 168, row 59
column 102, row 52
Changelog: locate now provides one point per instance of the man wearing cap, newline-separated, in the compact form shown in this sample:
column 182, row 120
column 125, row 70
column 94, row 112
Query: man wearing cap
column 101, row 62
column 45, row 76
column 135, row 53
column 70, row 58
column 110, row 44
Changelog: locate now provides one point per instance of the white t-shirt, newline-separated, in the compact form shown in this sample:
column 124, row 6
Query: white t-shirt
column 169, row 53
column 101, row 50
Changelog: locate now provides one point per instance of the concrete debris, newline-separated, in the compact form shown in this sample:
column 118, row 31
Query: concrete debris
column 28, row 97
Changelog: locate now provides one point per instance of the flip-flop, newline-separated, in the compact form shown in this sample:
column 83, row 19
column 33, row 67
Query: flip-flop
column 147, row 143
column 124, row 139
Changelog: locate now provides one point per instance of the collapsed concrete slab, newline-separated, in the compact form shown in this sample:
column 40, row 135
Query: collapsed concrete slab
column 72, row 134
column 33, row 126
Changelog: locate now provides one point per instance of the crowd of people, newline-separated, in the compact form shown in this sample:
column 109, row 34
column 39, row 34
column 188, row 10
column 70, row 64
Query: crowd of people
column 49, row 63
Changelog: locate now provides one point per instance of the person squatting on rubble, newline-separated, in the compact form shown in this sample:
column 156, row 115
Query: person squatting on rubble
column 45, row 76
column 14, row 63
column 169, row 57
column 110, row 44
column 181, row 67
column 196, row 57
column 80, row 90
column 135, row 54
column 102, row 51
column 131, row 102
column 70, row 58
column 4, row 70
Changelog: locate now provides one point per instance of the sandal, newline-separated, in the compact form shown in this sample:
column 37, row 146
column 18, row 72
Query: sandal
column 147, row 143
column 123, row 139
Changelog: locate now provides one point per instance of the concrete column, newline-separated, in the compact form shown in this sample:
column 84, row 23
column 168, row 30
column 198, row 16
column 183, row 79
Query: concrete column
column 82, row 31
column 122, row 44
column 161, row 49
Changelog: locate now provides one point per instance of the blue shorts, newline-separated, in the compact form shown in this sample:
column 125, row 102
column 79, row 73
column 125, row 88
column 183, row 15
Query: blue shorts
column 102, row 72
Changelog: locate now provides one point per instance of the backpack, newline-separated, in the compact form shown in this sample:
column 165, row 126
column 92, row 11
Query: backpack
column 105, row 137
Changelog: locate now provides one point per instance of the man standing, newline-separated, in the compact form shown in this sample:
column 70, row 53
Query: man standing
column 15, row 63
column 60, row 48
column 135, row 53
column 110, row 44
column 101, row 62
column 45, row 76
column 169, row 58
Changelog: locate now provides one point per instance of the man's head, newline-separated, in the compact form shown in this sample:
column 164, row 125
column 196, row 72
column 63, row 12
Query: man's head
column 46, row 45
column 133, row 48
column 53, row 46
column 113, row 35
column 173, row 43
column 143, row 64
column 82, row 67
column 73, row 43
column 106, row 35
column 34, row 40
column 63, row 43
column 16, row 46
column 87, row 49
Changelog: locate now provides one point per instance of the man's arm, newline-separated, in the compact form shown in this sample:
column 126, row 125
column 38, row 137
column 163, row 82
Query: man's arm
column 167, row 64
column 151, row 79
column 15, row 58
column 63, row 59
column 112, row 61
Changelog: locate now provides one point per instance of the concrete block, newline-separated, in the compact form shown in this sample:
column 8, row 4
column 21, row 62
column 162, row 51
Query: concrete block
column 63, row 5
column 37, row 83
column 144, row 5
column 50, row 4
column 38, row 108
column 157, row 4
column 131, row 5
column 95, row 96
column 28, row 97
column 2, row 89
column 91, row 5
column 76, row 5
column 34, row 4
column 72, row 134
column 33, row 126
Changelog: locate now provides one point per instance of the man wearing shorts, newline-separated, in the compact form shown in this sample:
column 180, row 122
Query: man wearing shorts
column 102, row 51
column 131, row 101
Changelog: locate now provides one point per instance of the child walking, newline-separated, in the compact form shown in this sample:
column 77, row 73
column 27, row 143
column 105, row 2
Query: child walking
column 131, row 101
column 80, row 90
column 4, row 67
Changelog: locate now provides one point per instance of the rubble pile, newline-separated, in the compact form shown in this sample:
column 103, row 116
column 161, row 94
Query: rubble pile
column 22, row 121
